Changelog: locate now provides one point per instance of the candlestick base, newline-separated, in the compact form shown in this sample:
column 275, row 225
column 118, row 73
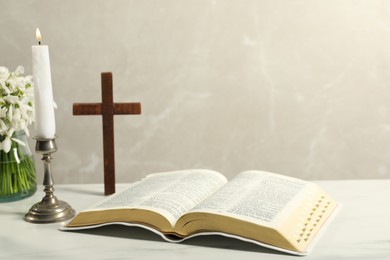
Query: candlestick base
column 50, row 209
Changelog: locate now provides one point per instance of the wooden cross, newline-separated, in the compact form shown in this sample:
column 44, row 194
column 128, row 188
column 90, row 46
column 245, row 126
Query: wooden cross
column 107, row 109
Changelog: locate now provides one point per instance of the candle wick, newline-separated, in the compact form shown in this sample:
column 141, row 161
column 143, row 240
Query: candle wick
column 39, row 42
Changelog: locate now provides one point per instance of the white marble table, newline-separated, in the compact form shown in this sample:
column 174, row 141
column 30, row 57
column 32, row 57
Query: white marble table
column 360, row 231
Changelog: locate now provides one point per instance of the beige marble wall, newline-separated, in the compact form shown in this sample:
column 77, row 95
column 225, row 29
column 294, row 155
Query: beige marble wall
column 296, row 87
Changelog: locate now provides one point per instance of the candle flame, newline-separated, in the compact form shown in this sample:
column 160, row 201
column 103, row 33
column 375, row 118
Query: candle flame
column 38, row 35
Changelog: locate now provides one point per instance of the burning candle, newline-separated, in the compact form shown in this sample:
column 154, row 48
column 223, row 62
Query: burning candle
column 43, row 93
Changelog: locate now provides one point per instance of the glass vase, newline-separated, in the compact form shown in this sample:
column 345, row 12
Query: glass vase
column 17, row 170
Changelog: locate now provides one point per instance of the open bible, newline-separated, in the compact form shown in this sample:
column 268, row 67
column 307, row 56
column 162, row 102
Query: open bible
column 268, row 209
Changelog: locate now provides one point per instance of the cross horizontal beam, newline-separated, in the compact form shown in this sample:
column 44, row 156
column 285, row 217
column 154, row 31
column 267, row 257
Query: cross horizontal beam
column 82, row 109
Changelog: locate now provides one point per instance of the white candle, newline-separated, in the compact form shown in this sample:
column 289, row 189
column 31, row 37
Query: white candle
column 43, row 93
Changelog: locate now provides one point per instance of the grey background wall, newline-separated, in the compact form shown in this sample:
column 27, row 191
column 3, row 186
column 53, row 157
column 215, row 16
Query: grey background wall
column 296, row 87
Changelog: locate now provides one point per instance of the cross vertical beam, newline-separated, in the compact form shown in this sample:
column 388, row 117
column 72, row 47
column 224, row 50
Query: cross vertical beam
column 108, row 133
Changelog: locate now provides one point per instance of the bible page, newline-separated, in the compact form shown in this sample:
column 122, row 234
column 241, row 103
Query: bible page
column 170, row 194
column 259, row 197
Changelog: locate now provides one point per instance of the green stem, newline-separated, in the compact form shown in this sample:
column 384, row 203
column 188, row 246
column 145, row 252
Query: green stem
column 16, row 177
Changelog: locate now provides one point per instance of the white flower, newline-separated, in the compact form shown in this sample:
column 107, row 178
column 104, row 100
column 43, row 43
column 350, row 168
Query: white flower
column 6, row 144
column 19, row 70
column 4, row 71
column 3, row 127
column 16, row 105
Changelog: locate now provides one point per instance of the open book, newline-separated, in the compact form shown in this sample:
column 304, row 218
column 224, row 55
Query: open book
column 268, row 209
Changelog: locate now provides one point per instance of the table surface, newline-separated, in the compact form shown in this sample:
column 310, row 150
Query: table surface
column 361, row 230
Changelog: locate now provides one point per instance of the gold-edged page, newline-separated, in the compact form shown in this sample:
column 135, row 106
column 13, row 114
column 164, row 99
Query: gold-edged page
column 309, row 218
column 258, row 197
column 170, row 194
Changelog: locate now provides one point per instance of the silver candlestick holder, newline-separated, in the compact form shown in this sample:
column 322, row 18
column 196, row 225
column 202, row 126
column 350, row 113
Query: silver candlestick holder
column 50, row 209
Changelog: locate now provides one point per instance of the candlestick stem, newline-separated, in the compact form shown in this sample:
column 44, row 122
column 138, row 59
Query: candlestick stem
column 50, row 209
